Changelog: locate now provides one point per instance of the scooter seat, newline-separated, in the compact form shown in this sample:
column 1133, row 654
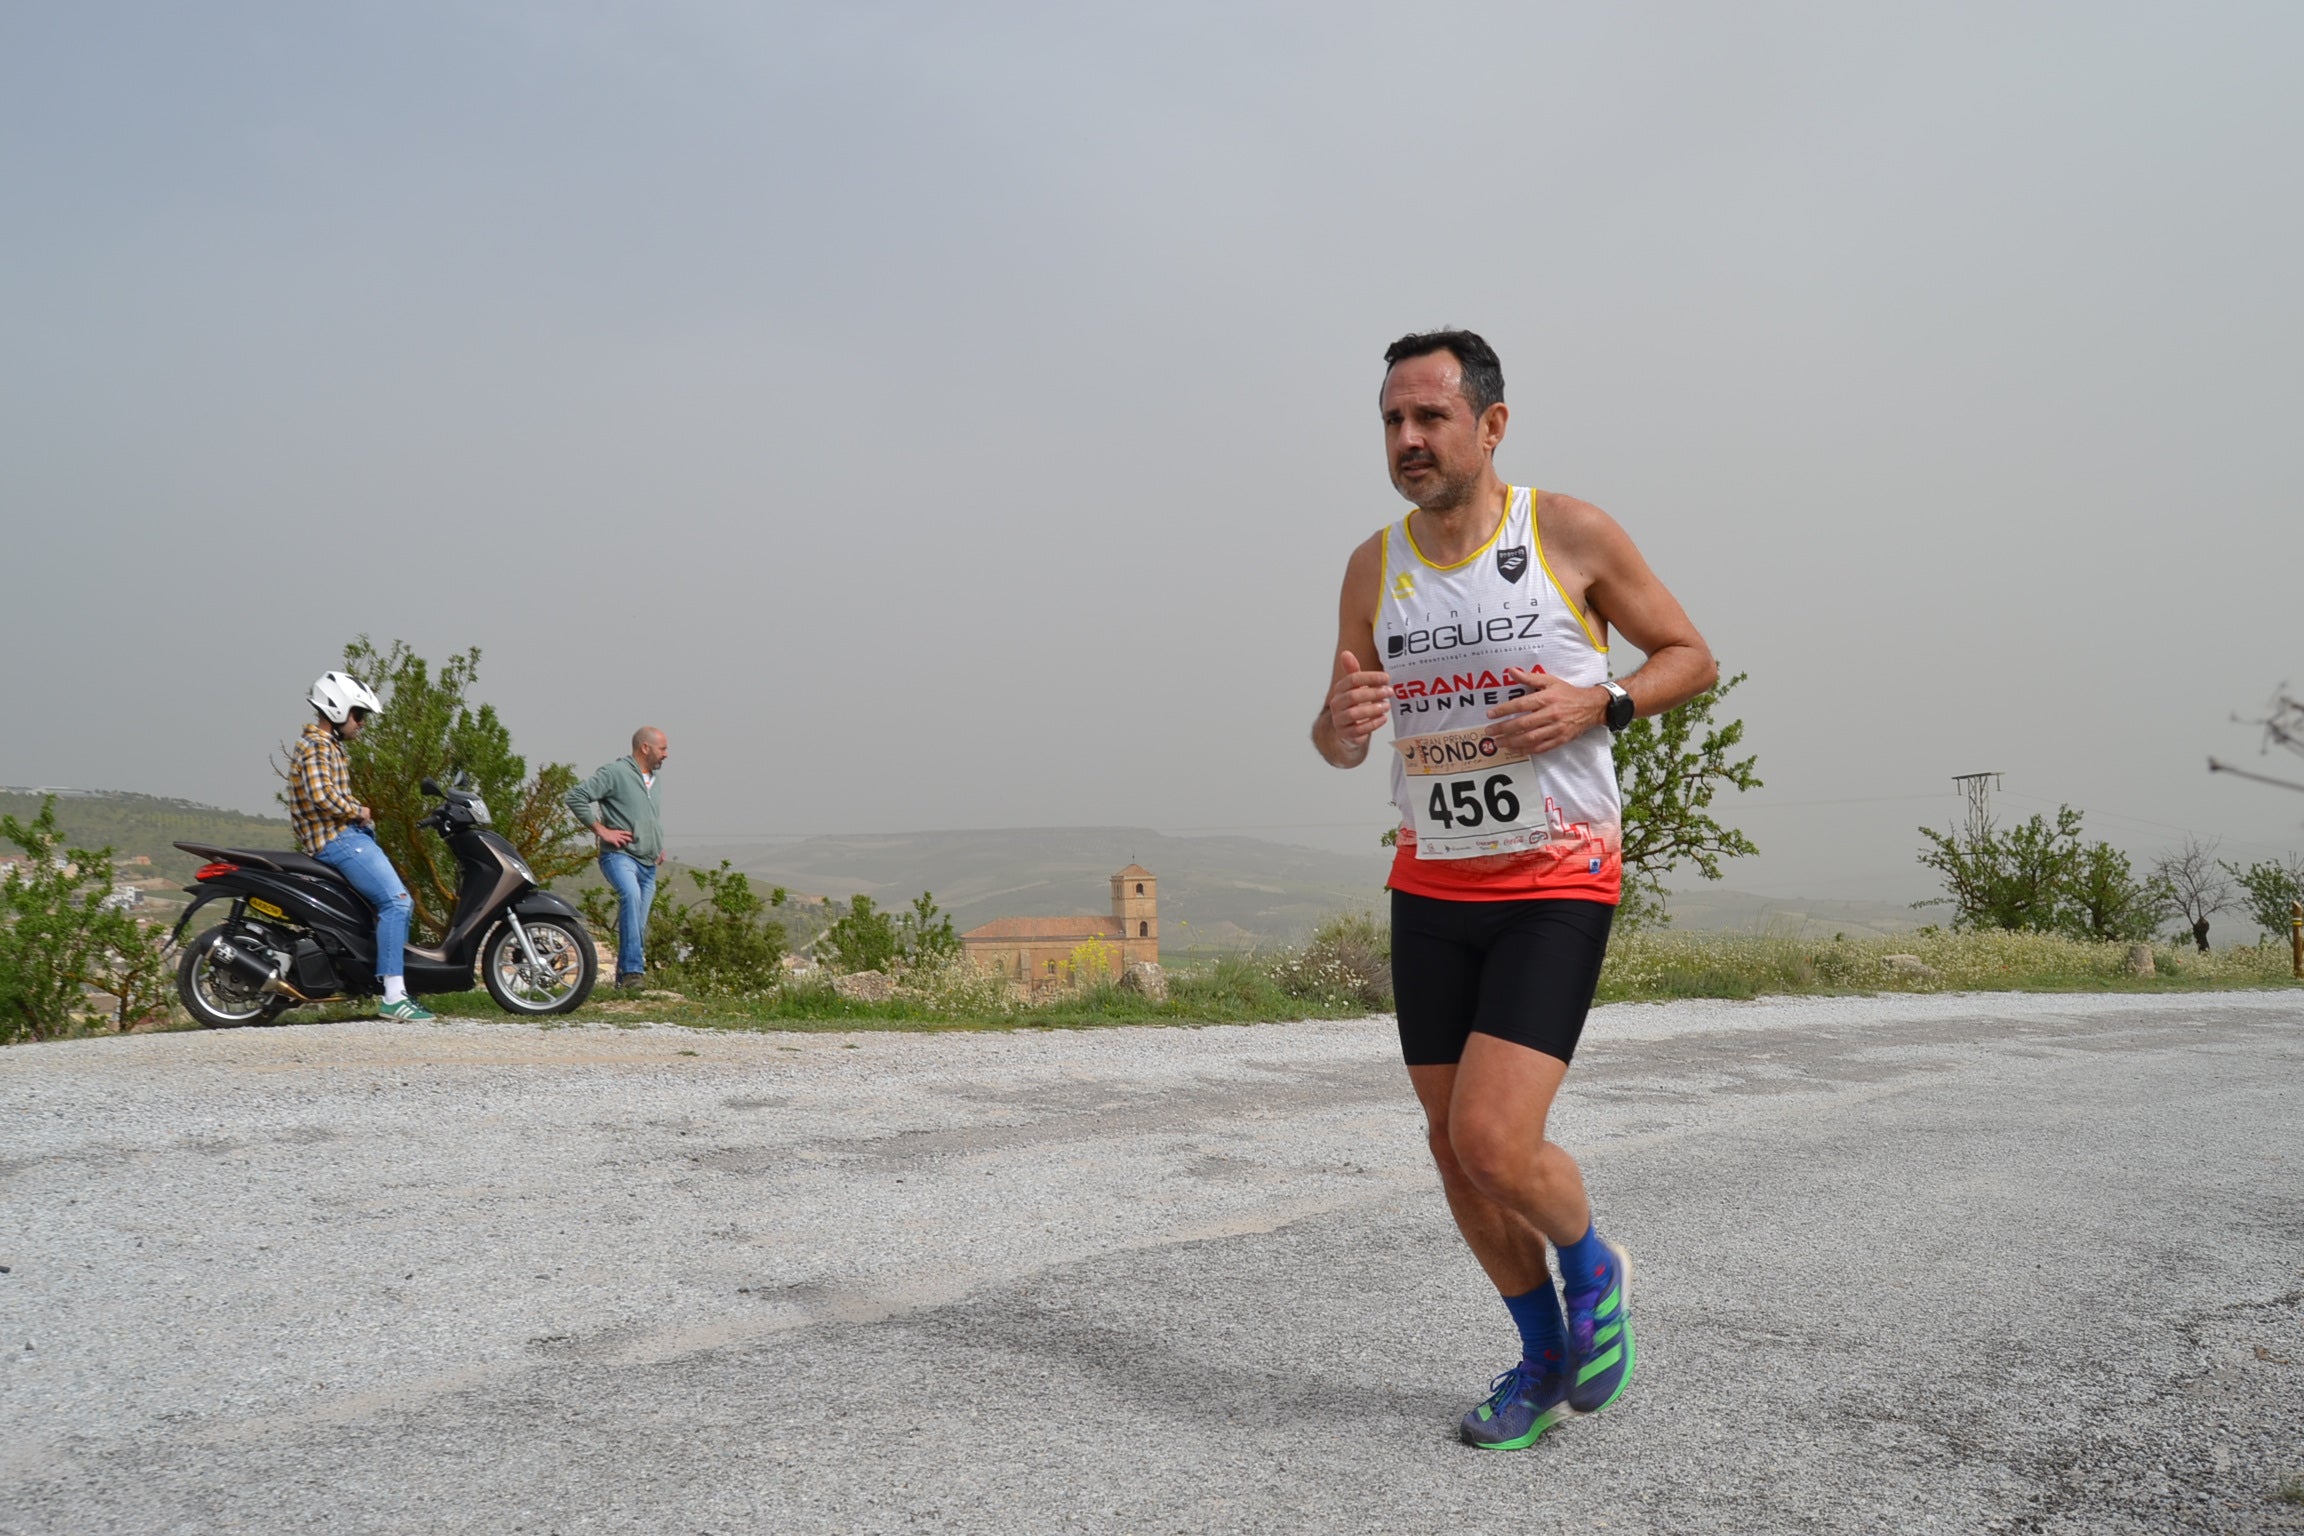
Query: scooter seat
column 266, row 858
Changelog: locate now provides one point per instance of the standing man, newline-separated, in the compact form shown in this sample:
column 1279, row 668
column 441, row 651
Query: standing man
column 619, row 804
column 340, row 832
column 1478, row 626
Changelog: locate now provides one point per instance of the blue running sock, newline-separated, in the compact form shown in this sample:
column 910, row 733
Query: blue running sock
column 1583, row 1262
column 1543, row 1334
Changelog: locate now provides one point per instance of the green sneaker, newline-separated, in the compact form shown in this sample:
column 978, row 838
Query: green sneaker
column 407, row 1009
column 1600, row 1353
column 1523, row 1403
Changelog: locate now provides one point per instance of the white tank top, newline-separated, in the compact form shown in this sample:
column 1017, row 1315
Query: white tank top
column 1477, row 821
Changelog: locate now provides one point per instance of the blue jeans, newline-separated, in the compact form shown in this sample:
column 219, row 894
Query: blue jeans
column 635, row 886
column 353, row 854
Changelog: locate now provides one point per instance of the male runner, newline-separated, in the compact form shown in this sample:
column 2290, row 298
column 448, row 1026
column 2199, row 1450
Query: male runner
column 1478, row 625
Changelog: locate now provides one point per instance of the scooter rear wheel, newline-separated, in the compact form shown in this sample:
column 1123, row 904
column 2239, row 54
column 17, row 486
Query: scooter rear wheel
column 214, row 996
column 561, row 979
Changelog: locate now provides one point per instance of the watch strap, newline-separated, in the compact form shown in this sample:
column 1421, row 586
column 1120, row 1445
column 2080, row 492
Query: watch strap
column 1620, row 707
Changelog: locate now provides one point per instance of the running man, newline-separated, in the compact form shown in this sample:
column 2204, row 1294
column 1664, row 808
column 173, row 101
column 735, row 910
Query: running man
column 1478, row 625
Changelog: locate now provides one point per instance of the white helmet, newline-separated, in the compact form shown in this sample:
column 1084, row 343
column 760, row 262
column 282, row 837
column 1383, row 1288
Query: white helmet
column 337, row 694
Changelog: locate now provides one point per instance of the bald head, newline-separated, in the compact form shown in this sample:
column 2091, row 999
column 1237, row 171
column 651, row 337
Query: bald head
column 649, row 748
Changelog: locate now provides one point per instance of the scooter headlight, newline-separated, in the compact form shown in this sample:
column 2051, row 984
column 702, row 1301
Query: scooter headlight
column 527, row 874
column 480, row 812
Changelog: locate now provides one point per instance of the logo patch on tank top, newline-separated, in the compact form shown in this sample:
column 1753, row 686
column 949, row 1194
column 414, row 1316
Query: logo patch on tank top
column 1512, row 564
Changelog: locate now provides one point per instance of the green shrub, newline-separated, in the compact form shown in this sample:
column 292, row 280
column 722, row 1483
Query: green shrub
column 2267, row 888
column 429, row 728
column 868, row 939
column 59, row 942
column 721, row 944
column 1347, row 964
column 949, row 982
column 1236, row 986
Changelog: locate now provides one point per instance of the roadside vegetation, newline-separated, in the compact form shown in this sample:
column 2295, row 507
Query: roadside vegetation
column 1653, row 965
column 2033, row 907
column 1345, row 972
column 70, row 959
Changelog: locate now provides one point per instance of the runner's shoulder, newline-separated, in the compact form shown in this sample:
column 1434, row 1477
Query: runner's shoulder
column 1366, row 565
column 1575, row 528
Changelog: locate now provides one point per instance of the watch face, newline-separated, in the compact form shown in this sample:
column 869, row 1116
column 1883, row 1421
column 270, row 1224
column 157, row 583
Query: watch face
column 1619, row 709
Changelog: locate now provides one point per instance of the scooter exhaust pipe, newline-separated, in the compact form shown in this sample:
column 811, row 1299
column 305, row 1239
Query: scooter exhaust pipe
column 261, row 974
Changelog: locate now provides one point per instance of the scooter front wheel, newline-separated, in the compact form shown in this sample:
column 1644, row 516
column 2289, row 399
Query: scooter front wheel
column 558, row 979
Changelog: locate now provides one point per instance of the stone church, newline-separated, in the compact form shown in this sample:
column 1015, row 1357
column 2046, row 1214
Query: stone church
column 1034, row 950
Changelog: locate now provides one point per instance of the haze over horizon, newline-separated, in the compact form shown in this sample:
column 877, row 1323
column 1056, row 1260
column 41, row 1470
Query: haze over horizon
column 960, row 420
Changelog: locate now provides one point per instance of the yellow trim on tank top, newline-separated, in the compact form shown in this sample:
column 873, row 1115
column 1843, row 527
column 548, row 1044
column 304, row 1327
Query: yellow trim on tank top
column 1536, row 532
column 1408, row 529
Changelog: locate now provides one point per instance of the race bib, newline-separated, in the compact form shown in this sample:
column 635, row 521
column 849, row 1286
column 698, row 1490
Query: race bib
column 1473, row 796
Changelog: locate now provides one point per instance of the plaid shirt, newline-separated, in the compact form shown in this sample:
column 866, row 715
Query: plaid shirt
column 320, row 802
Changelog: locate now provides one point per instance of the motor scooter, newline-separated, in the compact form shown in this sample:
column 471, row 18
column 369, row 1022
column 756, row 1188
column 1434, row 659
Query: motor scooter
column 298, row 932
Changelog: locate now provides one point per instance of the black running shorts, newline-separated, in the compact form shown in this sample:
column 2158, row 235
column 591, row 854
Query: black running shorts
column 1522, row 971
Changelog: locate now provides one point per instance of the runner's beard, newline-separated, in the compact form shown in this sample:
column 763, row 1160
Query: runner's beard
column 1446, row 496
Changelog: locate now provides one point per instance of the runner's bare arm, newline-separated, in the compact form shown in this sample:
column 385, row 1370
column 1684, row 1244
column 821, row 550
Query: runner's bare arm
column 1359, row 699
column 1604, row 574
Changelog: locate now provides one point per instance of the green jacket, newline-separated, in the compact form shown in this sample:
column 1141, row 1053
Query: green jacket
column 616, row 796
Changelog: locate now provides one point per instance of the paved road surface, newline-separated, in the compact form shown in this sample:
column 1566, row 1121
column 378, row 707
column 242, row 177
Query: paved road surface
column 1912, row 1264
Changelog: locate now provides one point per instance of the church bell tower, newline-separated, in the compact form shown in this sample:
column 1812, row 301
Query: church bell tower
column 1136, row 907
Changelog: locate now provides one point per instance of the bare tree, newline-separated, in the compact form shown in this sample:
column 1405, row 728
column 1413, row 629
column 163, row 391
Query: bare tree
column 2196, row 883
column 2283, row 724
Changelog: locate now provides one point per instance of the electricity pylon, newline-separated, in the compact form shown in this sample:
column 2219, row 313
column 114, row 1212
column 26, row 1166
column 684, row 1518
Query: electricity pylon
column 1978, row 788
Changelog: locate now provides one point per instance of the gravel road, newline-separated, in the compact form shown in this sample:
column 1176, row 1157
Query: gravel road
column 1972, row 1263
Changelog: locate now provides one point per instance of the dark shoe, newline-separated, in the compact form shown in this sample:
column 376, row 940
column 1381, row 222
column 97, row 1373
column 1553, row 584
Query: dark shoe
column 631, row 981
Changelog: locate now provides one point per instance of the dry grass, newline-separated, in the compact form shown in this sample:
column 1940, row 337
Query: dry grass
column 1655, row 964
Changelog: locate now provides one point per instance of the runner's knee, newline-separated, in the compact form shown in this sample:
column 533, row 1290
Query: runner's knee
column 1491, row 1154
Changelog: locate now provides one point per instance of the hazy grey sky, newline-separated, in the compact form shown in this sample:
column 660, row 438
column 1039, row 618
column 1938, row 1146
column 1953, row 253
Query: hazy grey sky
column 958, row 416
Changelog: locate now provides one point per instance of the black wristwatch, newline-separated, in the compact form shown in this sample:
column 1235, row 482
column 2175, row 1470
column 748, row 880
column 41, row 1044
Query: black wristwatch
column 1619, row 706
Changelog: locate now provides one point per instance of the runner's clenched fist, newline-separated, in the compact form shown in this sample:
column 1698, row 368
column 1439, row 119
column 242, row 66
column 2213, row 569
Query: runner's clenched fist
column 1359, row 702
column 1552, row 713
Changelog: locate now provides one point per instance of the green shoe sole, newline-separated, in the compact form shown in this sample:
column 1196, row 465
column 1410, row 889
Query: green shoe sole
column 1548, row 1419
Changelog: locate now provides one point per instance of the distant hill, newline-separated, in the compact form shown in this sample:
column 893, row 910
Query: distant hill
column 147, row 824
column 1215, row 892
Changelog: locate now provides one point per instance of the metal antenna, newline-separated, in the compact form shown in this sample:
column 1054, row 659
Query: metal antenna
column 1978, row 788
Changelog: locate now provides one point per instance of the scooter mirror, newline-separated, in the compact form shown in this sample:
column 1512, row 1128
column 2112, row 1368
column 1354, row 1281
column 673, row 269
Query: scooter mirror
column 429, row 788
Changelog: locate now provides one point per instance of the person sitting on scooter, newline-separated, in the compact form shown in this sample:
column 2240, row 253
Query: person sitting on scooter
column 339, row 831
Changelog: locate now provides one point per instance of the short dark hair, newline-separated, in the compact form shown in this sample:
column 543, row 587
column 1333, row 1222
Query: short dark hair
column 1483, row 373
